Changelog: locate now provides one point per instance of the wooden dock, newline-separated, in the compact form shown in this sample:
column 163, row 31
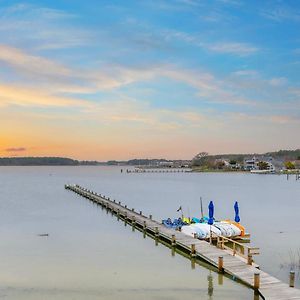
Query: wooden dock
column 267, row 286
column 158, row 171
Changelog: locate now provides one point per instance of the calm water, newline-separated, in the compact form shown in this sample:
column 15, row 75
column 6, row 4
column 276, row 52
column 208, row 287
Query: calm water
column 90, row 255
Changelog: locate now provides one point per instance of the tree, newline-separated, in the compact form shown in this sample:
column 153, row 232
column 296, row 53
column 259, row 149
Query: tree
column 220, row 165
column 289, row 165
column 263, row 165
column 200, row 159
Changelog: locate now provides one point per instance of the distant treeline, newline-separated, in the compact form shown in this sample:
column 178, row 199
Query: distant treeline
column 43, row 161
column 281, row 155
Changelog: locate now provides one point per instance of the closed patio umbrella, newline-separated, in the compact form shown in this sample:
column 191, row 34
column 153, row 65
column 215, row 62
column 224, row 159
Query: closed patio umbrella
column 211, row 216
column 236, row 210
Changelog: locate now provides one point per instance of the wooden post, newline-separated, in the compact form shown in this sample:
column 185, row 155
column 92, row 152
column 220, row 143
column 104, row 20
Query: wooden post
column 125, row 206
column 145, row 225
column 156, row 231
column 119, row 202
column 132, row 209
column 220, row 264
column 173, row 242
column 249, row 260
column 133, row 221
column 150, row 217
column 141, row 212
column 125, row 215
column 292, row 278
column 195, row 235
column 193, row 250
column 256, row 281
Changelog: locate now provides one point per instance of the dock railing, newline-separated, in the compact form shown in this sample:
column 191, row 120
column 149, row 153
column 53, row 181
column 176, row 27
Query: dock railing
column 237, row 248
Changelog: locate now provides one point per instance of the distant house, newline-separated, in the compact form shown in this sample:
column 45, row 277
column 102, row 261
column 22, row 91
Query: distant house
column 254, row 163
column 251, row 163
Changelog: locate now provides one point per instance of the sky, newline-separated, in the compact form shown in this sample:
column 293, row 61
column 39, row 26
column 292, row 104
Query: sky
column 148, row 78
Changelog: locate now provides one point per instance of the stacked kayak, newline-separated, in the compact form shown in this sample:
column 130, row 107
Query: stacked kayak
column 227, row 229
column 202, row 230
column 204, row 227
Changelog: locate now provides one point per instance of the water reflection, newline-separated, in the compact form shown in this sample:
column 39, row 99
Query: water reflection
column 210, row 289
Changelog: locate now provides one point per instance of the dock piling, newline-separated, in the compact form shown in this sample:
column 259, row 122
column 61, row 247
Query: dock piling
column 173, row 241
column 256, row 280
column 292, row 278
column 193, row 250
column 220, row 264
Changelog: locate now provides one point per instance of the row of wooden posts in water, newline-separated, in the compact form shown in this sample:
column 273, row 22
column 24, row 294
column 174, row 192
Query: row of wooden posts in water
column 297, row 176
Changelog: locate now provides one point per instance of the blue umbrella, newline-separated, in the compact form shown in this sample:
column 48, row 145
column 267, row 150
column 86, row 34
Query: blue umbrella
column 236, row 209
column 210, row 213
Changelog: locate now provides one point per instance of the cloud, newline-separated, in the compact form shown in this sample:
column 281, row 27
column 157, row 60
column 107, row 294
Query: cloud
column 280, row 81
column 267, row 118
column 31, row 63
column 15, row 149
column 240, row 49
column 58, row 78
column 53, row 29
column 282, row 13
column 23, row 96
column 230, row 47
column 251, row 73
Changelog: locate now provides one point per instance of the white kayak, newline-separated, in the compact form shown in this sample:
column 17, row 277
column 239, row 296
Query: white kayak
column 228, row 230
column 189, row 230
column 202, row 230
column 207, row 228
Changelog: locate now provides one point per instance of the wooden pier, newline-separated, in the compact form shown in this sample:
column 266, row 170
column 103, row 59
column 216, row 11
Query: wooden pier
column 265, row 285
column 158, row 171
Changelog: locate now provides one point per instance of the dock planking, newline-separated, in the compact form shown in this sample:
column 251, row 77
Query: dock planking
column 269, row 286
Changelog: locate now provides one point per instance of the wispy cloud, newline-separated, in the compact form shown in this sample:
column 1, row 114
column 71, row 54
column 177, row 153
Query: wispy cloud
column 63, row 79
column 53, row 29
column 31, row 63
column 15, row 149
column 280, row 81
column 23, row 96
column 247, row 73
column 240, row 49
column 281, row 13
column 228, row 47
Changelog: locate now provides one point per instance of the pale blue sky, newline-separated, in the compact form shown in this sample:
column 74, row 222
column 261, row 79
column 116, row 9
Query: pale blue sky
column 151, row 78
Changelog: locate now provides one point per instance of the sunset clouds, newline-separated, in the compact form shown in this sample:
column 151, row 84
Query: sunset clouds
column 133, row 79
